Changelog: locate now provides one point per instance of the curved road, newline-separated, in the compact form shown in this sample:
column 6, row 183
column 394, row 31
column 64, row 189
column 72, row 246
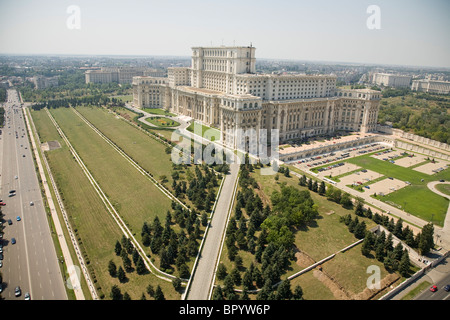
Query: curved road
column 444, row 233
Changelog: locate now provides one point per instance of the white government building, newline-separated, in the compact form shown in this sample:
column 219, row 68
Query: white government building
column 392, row 80
column 431, row 86
column 222, row 89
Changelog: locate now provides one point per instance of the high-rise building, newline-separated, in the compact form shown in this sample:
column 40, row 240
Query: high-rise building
column 391, row 80
column 119, row 74
column 431, row 86
column 41, row 82
column 222, row 89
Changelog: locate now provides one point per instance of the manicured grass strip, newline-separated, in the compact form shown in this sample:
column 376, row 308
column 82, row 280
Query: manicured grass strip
column 159, row 111
column 149, row 153
column 132, row 194
column 96, row 231
column 163, row 122
column 444, row 188
column 421, row 202
column 388, row 169
column 208, row 133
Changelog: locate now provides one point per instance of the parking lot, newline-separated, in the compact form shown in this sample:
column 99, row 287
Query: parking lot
column 360, row 177
column 432, row 168
column 321, row 161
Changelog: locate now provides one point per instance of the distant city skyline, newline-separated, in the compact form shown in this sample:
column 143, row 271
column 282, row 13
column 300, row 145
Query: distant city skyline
column 409, row 33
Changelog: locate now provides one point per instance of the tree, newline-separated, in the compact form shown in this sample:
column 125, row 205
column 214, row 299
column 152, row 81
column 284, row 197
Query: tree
column 121, row 275
column 115, row 293
column 221, row 271
column 118, row 248
column 150, row 290
column 159, row 295
column 126, row 296
column 176, row 284
column 322, row 189
column 379, row 252
column 345, row 200
column 298, row 293
column 126, row 261
column 140, row 266
column 404, row 264
column 360, row 230
column 284, row 290
column 366, row 247
column 426, row 239
column 236, row 276
column 218, row 293
column 398, row 229
column 112, row 268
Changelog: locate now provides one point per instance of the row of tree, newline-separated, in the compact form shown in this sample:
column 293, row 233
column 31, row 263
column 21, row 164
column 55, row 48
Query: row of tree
column 394, row 258
column 422, row 241
column 91, row 100
column 174, row 248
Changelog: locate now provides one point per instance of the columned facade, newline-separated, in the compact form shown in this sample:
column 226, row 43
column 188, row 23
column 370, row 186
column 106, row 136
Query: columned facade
column 221, row 89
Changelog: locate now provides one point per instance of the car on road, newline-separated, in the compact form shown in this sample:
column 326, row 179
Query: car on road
column 1, row 256
column 18, row 218
column 2, row 204
column 433, row 288
column 31, row 203
column 442, row 180
column 447, row 288
column 12, row 194
column 9, row 221
column 13, row 240
column 17, row 291
column 27, row 296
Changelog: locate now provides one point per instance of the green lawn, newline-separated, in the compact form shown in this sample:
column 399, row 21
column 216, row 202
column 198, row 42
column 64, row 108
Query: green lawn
column 122, row 183
column 388, row 169
column 444, row 188
column 159, row 111
column 321, row 238
column 149, row 153
column 421, row 202
column 163, row 122
column 208, row 133
column 416, row 198
column 95, row 229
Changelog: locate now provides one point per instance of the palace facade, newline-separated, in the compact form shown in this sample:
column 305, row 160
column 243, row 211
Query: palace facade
column 222, row 89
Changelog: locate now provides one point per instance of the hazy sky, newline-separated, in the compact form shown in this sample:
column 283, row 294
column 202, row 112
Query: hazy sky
column 412, row 32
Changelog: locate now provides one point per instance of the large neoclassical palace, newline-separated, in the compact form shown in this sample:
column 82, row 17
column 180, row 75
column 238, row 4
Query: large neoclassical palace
column 223, row 90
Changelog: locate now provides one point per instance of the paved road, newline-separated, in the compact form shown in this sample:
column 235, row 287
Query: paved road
column 31, row 263
column 204, row 275
column 439, row 276
column 444, row 233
